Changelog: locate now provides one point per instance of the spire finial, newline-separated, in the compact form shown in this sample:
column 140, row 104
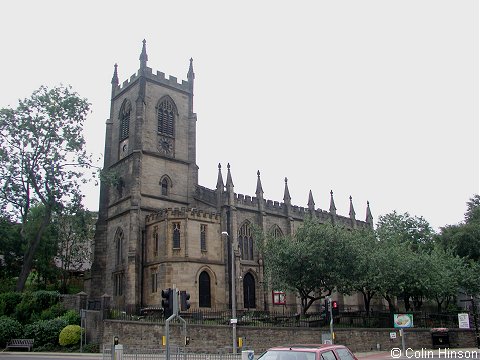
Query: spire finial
column 352, row 210
column 229, row 177
column 190, row 74
column 115, row 75
column 332, row 209
column 259, row 191
column 286, row 194
column 220, row 178
column 143, row 56
column 311, row 203
column 369, row 217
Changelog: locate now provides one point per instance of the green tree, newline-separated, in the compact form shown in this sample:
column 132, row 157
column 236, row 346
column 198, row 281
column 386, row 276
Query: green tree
column 405, row 241
column 464, row 238
column 42, row 158
column 75, row 229
column 310, row 263
column 361, row 274
column 11, row 249
column 44, row 269
column 448, row 274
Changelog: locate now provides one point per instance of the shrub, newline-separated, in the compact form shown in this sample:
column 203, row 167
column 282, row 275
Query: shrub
column 33, row 303
column 70, row 335
column 91, row 348
column 8, row 302
column 9, row 329
column 45, row 331
column 53, row 312
column 72, row 317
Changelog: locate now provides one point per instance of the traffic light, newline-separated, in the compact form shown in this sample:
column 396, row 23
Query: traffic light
column 327, row 310
column 167, row 302
column 335, row 308
column 115, row 340
column 184, row 300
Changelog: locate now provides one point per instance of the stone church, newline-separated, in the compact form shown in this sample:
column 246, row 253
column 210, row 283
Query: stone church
column 159, row 228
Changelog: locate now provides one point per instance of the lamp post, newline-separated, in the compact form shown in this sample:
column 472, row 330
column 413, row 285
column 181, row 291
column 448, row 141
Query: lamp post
column 233, row 320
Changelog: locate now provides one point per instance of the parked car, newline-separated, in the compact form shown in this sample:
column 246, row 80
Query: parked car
column 308, row 352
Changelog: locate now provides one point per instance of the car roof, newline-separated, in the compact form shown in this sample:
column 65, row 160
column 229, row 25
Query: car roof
column 307, row 347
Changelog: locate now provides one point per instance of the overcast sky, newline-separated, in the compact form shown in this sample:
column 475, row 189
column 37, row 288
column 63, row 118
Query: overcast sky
column 373, row 99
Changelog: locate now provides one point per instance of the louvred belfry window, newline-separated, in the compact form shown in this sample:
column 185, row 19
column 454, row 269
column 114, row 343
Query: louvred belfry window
column 125, row 119
column 166, row 118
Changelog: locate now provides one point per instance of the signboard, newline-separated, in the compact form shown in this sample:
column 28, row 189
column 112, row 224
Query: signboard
column 402, row 321
column 393, row 335
column 463, row 321
column 279, row 298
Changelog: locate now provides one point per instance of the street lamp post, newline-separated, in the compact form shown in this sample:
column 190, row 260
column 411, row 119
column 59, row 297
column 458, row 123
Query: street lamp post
column 233, row 320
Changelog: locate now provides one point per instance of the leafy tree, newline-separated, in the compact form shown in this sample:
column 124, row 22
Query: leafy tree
column 75, row 230
column 464, row 238
column 44, row 270
column 449, row 273
column 42, row 158
column 405, row 241
column 403, row 228
column 362, row 272
column 11, row 249
column 473, row 210
column 310, row 263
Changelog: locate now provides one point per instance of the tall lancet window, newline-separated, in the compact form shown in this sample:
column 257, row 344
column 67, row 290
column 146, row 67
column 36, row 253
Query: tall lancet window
column 166, row 117
column 245, row 241
column 125, row 111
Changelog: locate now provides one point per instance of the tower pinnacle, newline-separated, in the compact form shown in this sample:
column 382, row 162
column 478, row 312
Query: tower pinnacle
column 143, row 56
column 115, row 75
column 259, row 191
column 286, row 193
column 332, row 209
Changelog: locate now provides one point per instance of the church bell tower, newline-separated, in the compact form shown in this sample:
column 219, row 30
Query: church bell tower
column 150, row 163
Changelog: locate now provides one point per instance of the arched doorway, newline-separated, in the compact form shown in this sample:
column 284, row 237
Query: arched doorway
column 204, row 295
column 249, row 291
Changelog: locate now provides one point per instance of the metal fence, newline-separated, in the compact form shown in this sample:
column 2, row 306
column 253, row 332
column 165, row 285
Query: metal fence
column 258, row 318
column 156, row 353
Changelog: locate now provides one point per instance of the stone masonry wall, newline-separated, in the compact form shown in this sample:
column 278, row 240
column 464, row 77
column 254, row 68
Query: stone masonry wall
column 211, row 339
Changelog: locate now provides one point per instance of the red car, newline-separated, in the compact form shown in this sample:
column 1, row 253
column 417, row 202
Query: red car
column 308, row 352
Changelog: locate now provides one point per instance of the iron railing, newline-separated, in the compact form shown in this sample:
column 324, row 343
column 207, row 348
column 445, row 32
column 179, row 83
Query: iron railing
column 129, row 352
column 259, row 318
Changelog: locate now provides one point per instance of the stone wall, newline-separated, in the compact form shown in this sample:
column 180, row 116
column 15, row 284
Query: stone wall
column 212, row 339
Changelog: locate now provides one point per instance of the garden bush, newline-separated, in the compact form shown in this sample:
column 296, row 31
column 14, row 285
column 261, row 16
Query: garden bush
column 9, row 329
column 54, row 311
column 34, row 303
column 70, row 335
column 72, row 317
column 45, row 331
column 8, row 302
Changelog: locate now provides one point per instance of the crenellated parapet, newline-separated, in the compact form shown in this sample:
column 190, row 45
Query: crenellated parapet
column 175, row 213
column 158, row 78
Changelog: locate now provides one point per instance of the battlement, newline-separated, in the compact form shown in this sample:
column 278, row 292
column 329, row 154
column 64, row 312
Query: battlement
column 159, row 78
column 182, row 212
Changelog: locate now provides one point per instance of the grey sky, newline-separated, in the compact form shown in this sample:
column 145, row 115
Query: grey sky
column 373, row 99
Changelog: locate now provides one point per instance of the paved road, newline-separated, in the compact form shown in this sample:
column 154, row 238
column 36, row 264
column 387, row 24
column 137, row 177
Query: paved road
column 414, row 354
column 47, row 356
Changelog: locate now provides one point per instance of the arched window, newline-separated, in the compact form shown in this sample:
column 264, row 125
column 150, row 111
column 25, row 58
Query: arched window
column 118, row 246
column 276, row 232
column 124, row 117
column 249, row 291
column 245, row 241
column 204, row 295
column 176, row 235
column 164, row 187
column 166, row 117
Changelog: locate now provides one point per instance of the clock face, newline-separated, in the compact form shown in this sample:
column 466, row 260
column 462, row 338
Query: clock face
column 165, row 145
